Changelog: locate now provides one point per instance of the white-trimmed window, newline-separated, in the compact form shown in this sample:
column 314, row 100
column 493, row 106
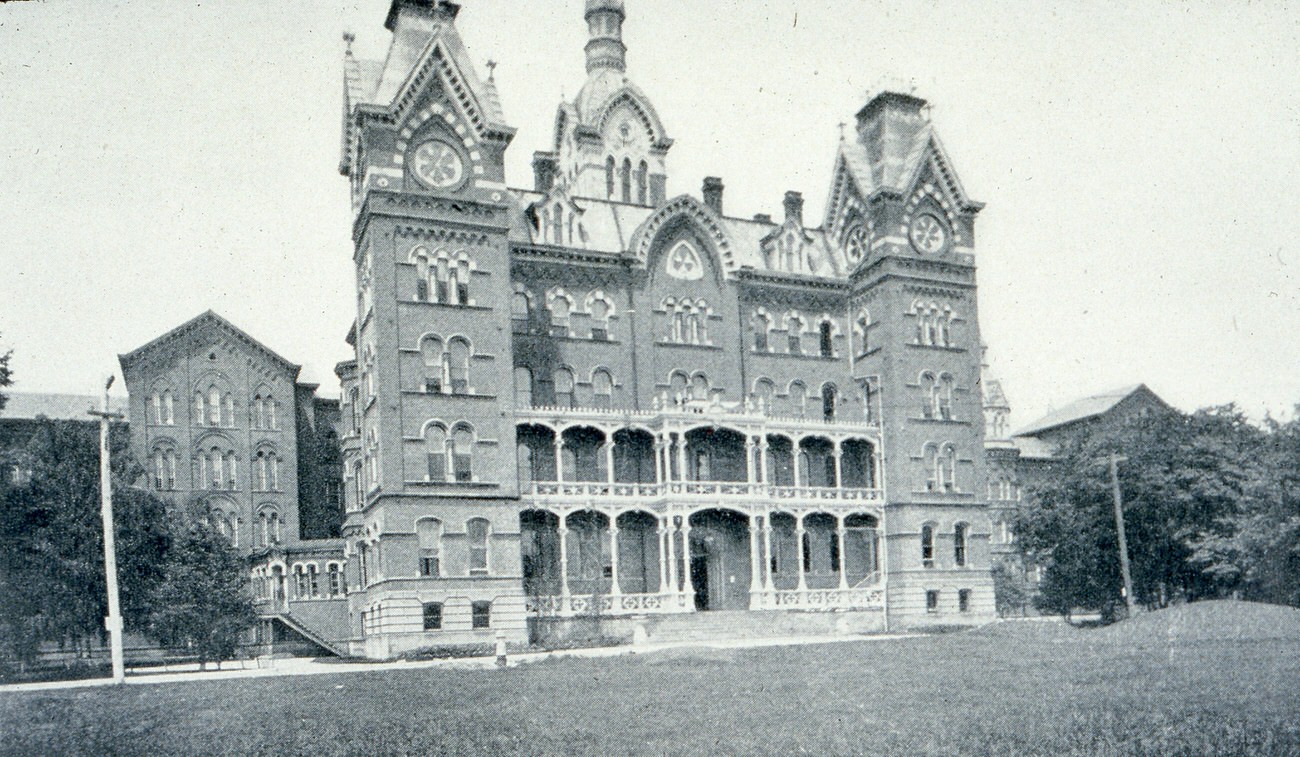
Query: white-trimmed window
column 602, row 386
column 798, row 398
column 943, row 396
column 794, row 326
column 601, row 310
column 560, row 305
column 435, row 449
column 462, row 453
column 476, row 533
column 563, row 387
column 761, row 324
column 927, row 545
column 435, row 366
column 960, row 533
column 428, row 533
column 163, row 461
column 266, row 467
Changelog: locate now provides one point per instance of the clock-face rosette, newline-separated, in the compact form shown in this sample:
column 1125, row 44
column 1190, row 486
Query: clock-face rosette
column 928, row 234
column 438, row 165
column 857, row 243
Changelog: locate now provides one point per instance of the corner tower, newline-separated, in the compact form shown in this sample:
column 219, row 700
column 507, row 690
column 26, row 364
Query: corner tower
column 431, row 528
column 609, row 142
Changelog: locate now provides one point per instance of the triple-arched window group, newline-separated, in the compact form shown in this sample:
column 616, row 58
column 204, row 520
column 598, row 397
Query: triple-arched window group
column 216, row 466
column 796, row 396
column 449, row 452
column 622, row 180
column 214, row 406
column 442, row 277
column 934, row 324
column 687, row 320
column 798, row 337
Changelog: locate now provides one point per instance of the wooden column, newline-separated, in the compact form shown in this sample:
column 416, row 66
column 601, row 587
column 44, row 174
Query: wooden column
column 799, row 551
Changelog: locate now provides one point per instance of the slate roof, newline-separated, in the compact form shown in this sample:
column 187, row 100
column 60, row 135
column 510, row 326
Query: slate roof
column 69, row 407
column 1088, row 407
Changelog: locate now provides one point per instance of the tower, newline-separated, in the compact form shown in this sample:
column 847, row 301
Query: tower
column 432, row 532
column 907, row 228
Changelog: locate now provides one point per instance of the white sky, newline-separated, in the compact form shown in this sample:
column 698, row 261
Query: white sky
column 1139, row 162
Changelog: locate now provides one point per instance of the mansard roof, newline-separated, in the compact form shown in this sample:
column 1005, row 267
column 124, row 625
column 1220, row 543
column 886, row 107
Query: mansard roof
column 624, row 229
column 207, row 323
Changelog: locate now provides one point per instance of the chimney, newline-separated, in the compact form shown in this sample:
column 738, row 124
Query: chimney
column 763, row 218
column 545, row 166
column 713, row 193
column 441, row 9
column 794, row 207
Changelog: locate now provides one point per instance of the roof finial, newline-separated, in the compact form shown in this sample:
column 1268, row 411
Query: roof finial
column 842, row 125
column 492, row 70
column 348, row 39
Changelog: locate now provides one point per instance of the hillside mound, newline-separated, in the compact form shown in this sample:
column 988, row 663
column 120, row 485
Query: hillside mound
column 1216, row 620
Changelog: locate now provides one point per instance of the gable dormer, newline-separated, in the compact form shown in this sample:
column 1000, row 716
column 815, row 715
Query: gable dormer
column 557, row 219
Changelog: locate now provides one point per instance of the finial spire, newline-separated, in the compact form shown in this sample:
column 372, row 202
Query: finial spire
column 492, row 70
column 348, row 39
column 605, row 48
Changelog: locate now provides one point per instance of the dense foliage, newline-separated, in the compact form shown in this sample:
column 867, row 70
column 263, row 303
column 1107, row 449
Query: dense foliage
column 1210, row 509
column 52, row 585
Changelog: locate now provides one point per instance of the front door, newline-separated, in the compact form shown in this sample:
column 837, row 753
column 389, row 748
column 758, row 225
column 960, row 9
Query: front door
column 700, row 579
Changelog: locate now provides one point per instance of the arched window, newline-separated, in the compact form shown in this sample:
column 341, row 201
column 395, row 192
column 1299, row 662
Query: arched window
column 700, row 387
column 560, row 308
column 519, row 313
column 442, row 280
column 476, row 532
column 164, row 469
column 944, row 396
column 862, row 328
column 943, row 326
column 798, row 398
column 602, row 385
column 927, row 545
column 419, row 256
column 625, row 178
column 761, row 324
column 642, row 183
column 462, row 282
column 267, row 467
column 609, row 177
column 828, row 402
column 959, row 544
column 932, row 325
column 429, row 534
column 155, row 408
column 214, row 406
column 431, row 350
column 930, row 456
column 929, row 395
column 523, row 387
column 563, row 387
column 435, row 449
column 765, row 394
column 826, row 344
column 678, row 383
column 273, row 526
column 354, row 402
column 794, row 334
column 600, row 311
column 458, row 351
column 462, row 453
column 947, row 473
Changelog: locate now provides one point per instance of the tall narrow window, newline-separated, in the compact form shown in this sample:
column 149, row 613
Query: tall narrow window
column 826, row 344
column 441, row 281
column 523, row 387
column 557, row 225
column 480, row 614
column 462, row 282
column 434, row 364
column 828, row 402
column 600, row 312
column 214, row 407
column 761, row 325
column 948, row 473
column 559, row 316
column 862, row 327
column 932, row 601
column 476, row 531
column 944, row 395
column 929, row 395
column 625, row 178
column 959, row 544
column 602, row 385
column 462, row 454
column 564, row 387
column 429, row 535
column 155, row 408
column 519, row 313
column 927, row 545
column 458, row 352
column 642, row 183
column 609, row 177
column 433, row 616
column 963, row 600
column 435, row 448
column 794, row 334
column 798, row 398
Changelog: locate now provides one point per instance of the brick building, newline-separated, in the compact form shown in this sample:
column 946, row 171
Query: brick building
column 591, row 399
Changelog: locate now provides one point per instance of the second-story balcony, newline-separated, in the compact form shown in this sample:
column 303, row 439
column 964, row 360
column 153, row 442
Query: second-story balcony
column 711, row 491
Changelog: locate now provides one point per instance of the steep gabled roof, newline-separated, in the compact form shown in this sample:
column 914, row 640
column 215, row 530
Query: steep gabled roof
column 1083, row 409
column 208, row 321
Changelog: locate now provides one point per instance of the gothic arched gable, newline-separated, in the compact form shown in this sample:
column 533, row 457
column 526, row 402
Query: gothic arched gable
column 634, row 104
column 684, row 211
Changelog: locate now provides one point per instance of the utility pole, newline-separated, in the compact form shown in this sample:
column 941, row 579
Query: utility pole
column 1115, row 460
column 114, row 620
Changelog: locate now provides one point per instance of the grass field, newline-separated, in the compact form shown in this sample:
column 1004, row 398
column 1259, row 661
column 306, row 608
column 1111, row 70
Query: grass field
column 1168, row 683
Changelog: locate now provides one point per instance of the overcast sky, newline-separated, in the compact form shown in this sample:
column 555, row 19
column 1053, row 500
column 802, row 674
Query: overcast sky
column 1139, row 162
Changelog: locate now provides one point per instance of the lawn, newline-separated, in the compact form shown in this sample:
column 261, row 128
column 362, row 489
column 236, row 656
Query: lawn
column 1161, row 684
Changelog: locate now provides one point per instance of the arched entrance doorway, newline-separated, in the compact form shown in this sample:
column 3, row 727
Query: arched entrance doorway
column 720, row 560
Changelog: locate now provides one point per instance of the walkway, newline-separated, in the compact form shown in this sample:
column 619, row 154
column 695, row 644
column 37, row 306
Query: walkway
column 312, row 666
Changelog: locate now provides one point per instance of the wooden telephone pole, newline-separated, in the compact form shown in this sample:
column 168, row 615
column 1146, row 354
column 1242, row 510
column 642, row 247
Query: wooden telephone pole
column 114, row 619
column 1115, row 460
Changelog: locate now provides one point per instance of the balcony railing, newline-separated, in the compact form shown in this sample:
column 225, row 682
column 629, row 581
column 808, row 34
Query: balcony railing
column 712, row 490
column 735, row 412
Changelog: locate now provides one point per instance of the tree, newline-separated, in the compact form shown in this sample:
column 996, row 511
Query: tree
column 1254, row 550
column 6, row 376
column 1009, row 590
column 1182, row 475
column 52, row 585
column 203, row 600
